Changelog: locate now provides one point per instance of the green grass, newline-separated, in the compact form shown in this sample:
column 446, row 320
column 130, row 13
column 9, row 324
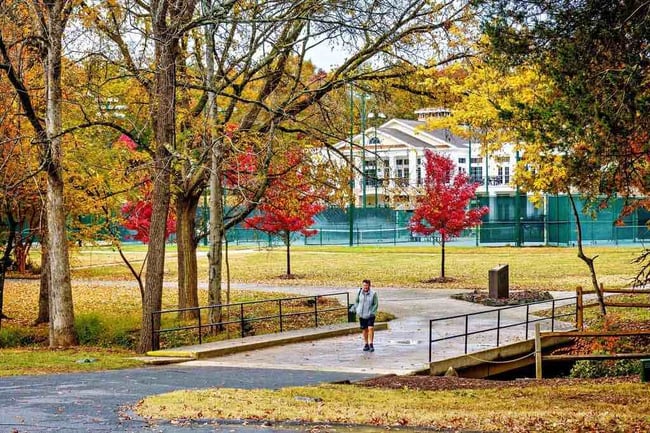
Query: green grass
column 16, row 362
column 621, row 407
column 547, row 268
column 110, row 305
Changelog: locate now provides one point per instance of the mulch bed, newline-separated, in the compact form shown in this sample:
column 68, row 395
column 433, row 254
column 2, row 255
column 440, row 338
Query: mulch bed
column 516, row 297
column 444, row 383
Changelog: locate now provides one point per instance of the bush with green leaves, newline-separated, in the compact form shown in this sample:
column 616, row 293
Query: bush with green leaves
column 11, row 337
column 588, row 369
column 90, row 329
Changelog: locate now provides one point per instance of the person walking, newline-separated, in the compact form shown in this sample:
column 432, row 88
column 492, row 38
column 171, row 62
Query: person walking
column 366, row 308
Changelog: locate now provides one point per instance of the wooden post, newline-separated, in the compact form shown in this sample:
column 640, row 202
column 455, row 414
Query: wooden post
column 538, row 352
column 580, row 324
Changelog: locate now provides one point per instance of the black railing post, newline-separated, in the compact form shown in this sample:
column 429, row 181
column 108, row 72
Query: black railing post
column 280, row 312
column 498, row 325
column 241, row 318
column 153, row 331
column 200, row 328
column 527, row 315
column 553, row 316
column 466, row 331
column 316, row 311
column 430, row 338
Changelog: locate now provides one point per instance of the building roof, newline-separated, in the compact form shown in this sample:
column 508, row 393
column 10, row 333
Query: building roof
column 406, row 138
column 413, row 133
column 449, row 137
column 443, row 134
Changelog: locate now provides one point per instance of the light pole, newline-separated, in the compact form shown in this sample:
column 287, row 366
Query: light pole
column 363, row 149
column 351, row 208
column 517, row 207
column 375, row 140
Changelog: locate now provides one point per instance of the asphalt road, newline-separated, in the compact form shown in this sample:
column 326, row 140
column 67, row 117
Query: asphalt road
column 99, row 402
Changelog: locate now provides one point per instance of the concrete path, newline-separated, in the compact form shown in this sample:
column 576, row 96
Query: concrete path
column 402, row 349
column 96, row 402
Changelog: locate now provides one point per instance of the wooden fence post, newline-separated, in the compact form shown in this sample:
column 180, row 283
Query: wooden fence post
column 538, row 352
column 579, row 309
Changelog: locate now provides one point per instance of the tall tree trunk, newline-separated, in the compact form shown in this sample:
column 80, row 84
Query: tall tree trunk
column 216, row 231
column 588, row 260
column 5, row 261
column 44, row 289
column 442, row 258
column 163, row 125
column 186, row 243
column 62, row 332
column 215, row 235
column 288, row 243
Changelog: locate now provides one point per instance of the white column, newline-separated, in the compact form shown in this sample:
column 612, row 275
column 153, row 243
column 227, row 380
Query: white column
column 392, row 170
column 413, row 166
column 357, row 180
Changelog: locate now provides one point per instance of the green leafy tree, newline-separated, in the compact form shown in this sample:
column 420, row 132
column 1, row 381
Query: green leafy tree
column 591, row 132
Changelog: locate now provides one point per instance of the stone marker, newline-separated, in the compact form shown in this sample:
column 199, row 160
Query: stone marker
column 498, row 282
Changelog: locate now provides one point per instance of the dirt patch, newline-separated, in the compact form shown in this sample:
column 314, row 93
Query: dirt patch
column 517, row 297
column 440, row 280
column 443, row 383
column 290, row 276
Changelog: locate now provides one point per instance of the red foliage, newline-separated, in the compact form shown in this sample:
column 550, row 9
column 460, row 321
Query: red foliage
column 289, row 206
column 138, row 218
column 443, row 207
column 125, row 140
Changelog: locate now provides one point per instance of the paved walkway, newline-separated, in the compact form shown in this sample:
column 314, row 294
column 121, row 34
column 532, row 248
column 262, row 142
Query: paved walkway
column 95, row 402
column 402, row 349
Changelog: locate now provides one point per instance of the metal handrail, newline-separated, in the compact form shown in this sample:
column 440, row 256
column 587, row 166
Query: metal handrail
column 242, row 320
column 498, row 326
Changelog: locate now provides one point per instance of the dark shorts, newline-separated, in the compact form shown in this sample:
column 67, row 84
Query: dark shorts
column 365, row 323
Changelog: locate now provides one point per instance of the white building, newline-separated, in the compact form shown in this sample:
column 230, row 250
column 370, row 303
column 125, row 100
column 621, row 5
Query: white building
column 392, row 157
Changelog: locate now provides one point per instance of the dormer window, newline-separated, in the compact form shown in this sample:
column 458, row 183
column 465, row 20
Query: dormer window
column 431, row 112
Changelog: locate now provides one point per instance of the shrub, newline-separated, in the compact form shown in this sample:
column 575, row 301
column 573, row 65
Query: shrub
column 125, row 338
column 90, row 329
column 10, row 337
column 589, row 369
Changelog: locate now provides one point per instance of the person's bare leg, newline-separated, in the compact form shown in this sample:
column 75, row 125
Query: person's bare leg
column 365, row 335
column 371, row 335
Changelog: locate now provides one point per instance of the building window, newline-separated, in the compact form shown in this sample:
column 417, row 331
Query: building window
column 384, row 168
column 506, row 175
column 462, row 160
column 477, row 160
column 402, row 171
column 476, row 174
column 419, row 171
column 371, row 174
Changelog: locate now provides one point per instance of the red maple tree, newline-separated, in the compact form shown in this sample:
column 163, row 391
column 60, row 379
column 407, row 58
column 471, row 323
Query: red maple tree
column 289, row 205
column 443, row 208
column 137, row 215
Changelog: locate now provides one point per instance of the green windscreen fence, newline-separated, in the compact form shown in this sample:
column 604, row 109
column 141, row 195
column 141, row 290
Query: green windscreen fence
column 511, row 221
column 555, row 224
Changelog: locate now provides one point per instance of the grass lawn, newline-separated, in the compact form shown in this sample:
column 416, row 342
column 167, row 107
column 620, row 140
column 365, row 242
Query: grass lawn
column 547, row 268
column 17, row 362
column 108, row 304
column 598, row 407
column 107, row 316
